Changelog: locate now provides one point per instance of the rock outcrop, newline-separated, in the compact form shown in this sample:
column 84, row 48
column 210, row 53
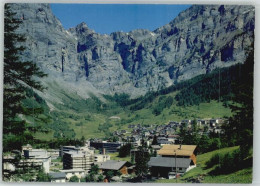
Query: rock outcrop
column 198, row 40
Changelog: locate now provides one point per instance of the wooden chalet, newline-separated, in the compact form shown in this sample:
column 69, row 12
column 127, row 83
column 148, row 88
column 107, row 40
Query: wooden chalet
column 124, row 167
column 173, row 160
column 180, row 151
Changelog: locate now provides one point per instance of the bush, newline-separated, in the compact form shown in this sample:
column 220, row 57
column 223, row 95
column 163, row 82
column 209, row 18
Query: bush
column 74, row 179
column 100, row 178
column 109, row 174
column 118, row 173
column 79, row 124
column 43, row 177
column 90, row 178
column 215, row 159
column 229, row 162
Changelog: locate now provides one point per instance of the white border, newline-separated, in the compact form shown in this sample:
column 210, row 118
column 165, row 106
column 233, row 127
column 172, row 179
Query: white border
column 256, row 167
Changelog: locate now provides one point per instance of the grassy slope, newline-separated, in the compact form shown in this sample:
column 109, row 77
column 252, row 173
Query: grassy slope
column 241, row 176
column 114, row 156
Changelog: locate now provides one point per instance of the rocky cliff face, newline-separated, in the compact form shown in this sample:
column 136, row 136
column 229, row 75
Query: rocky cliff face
column 200, row 39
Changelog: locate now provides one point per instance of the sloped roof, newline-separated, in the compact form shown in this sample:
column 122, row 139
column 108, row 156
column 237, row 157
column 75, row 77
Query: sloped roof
column 56, row 175
column 169, row 162
column 112, row 164
column 156, row 146
column 72, row 170
column 185, row 150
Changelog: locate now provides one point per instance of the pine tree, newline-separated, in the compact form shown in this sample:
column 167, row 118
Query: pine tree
column 18, row 76
column 242, row 121
column 141, row 161
column 154, row 142
column 239, row 129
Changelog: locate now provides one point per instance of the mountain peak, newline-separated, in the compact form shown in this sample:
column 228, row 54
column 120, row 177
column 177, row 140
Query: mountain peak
column 82, row 25
column 83, row 28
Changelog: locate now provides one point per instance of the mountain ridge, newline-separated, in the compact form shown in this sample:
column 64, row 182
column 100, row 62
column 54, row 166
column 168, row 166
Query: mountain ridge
column 197, row 41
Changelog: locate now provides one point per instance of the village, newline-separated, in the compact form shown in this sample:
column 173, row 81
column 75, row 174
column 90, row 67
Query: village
column 166, row 157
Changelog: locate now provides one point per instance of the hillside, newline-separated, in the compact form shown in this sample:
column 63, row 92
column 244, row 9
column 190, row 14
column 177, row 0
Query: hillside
column 202, row 173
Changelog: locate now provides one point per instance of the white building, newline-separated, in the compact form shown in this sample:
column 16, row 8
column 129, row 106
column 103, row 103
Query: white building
column 35, row 157
column 53, row 153
column 80, row 173
column 101, row 157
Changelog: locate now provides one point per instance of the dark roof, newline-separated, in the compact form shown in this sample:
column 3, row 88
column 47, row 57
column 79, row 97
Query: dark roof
column 56, row 175
column 169, row 162
column 112, row 164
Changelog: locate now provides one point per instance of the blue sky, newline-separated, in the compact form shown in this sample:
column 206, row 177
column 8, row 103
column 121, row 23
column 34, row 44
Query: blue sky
column 107, row 18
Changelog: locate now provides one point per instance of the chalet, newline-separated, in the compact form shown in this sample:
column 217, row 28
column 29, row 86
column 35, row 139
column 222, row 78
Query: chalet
column 163, row 166
column 114, row 165
column 173, row 159
column 179, row 151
